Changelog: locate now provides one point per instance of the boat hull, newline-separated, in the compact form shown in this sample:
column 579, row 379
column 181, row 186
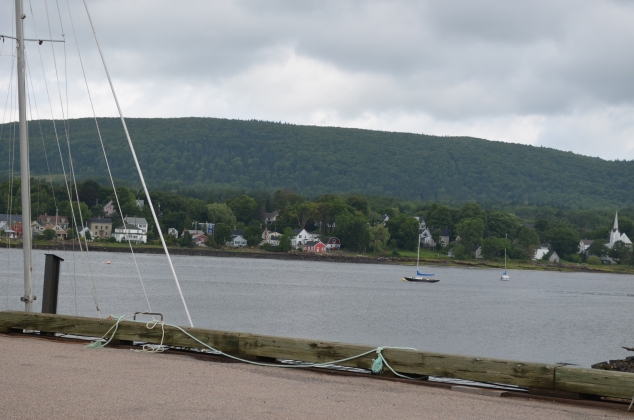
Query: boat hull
column 505, row 278
column 420, row 280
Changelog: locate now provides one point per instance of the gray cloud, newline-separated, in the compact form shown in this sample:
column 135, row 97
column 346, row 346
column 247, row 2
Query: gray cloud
column 556, row 73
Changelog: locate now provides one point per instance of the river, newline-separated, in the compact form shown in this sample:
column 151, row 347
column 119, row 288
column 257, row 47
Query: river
column 552, row 317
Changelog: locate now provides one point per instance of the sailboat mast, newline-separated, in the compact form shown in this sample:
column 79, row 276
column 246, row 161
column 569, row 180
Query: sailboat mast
column 25, row 177
column 418, row 253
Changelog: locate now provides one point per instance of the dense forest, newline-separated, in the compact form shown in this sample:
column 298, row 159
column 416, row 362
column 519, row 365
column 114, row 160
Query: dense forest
column 214, row 154
column 359, row 221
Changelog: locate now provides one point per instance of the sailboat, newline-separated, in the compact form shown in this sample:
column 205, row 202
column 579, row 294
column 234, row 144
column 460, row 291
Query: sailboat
column 505, row 276
column 421, row 277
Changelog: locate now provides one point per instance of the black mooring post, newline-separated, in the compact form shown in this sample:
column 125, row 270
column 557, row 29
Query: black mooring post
column 51, row 284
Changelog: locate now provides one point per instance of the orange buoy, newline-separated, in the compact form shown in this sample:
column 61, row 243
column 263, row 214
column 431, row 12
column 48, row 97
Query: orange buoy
column 108, row 262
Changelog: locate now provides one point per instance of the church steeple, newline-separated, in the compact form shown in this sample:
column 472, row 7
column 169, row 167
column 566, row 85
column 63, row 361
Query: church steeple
column 616, row 222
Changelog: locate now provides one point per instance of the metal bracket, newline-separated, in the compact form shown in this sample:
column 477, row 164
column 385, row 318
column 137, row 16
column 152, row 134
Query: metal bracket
column 147, row 313
column 26, row 299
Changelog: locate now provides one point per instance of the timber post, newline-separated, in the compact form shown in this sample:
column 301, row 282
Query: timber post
column 51, row 284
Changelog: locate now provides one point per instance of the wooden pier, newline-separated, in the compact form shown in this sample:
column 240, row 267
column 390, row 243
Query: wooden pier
column 540, row 378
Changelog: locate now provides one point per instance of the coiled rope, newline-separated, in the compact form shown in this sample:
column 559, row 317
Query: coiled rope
column 377, row 364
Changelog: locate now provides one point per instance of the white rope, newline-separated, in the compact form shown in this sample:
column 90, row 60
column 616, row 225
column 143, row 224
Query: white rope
column 136, row 161
column 92, row 107
column 376, row 365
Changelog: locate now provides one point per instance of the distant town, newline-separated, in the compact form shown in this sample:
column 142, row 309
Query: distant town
column 327, row 224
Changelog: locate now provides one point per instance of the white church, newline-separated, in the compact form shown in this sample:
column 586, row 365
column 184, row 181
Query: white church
column 615, row 235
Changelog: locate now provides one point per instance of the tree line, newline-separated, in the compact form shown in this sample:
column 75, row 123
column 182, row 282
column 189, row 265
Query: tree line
column 358, row 221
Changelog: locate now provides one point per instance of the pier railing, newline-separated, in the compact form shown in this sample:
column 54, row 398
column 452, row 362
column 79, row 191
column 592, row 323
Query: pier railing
column 539, row 377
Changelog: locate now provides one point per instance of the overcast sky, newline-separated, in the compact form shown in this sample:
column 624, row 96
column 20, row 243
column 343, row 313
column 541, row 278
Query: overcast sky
column 542, row 72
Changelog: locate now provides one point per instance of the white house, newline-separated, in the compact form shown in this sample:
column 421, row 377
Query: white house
column 271, row 217
column 7, row 231
column 82, row 232
column 384, row 218
column 301, row 237
column 130, row 233
column 172, row 232
column 108, row 209
column 139, row 222
column 554, row 257
column 478, row 252
column 36, row 228
column 584, row 244
column 272, row 238
column 237, row 241
column 424, row 234
column 444, row 235
column 615, row 235
column 540, row 252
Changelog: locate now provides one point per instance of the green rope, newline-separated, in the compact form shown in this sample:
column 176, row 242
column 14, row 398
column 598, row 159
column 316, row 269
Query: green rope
column 377, row 364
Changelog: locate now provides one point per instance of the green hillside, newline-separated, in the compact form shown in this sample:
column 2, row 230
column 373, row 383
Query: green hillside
column 217, row 153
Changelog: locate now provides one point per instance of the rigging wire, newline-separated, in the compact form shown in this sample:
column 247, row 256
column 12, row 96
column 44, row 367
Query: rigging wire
column 92, row 107
column 70, row 161
column 9, row 200
column 50, row 176
column 91, row 283
column 55, row 202
column 136, row 161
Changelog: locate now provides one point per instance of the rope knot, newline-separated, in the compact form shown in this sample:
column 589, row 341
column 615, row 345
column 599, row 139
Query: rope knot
column 377, row 364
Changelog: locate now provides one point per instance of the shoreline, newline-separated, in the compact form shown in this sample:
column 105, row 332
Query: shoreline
column 340, row 257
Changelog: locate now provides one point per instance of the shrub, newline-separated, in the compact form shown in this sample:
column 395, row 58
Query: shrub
column 594, row 260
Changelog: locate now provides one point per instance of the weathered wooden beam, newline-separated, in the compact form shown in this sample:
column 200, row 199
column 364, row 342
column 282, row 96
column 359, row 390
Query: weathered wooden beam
column 127, row 330
column 253, row 345
column 606, row 383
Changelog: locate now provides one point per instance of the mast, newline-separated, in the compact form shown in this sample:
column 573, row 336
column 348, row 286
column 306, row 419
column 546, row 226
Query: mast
column 418, row 254
column 24, row 161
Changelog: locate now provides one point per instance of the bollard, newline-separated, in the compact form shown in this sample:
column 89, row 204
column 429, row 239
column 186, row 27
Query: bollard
column 51, row 284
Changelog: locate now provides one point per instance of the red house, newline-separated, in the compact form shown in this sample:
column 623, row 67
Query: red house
column 17, row 227
column 333, row 243
column 313, row 246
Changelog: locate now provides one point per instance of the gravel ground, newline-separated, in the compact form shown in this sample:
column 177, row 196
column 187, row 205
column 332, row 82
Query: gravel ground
column 52, row 380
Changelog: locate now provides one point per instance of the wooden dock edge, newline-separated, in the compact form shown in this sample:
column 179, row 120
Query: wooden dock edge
column 527, row 374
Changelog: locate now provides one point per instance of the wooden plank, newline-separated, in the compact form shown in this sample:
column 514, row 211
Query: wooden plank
column 605, row 383
column 250, row 345
column 472, row 368
column 127, row 330
column 403, row 361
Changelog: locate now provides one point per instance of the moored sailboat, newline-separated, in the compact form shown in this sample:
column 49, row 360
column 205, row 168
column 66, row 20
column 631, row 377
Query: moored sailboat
column 421, row 277
column 505, row 277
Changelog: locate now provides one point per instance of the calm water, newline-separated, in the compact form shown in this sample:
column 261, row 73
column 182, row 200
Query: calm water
column 537, row 316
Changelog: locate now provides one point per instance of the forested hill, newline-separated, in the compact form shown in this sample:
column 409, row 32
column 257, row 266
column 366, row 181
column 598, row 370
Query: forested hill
column 213, row 153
